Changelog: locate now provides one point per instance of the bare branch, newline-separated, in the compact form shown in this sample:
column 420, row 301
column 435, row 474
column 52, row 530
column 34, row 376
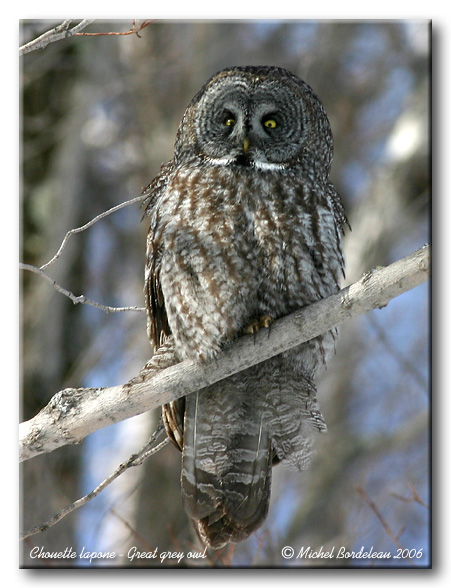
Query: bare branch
column 137, row 27
column 384, row 523
column 377, row 512
column 414, row 498
column 134, row 460
column 72, row 414
column 87, row 225
column 61, row 31
column 78, row 299
column 407, row 365
column 82, row 299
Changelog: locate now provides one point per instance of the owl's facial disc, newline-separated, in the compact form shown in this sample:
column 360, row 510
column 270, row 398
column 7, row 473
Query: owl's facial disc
column 248, row 123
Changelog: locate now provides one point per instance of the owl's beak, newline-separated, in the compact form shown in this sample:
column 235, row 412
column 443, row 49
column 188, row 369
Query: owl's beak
column 246, row 145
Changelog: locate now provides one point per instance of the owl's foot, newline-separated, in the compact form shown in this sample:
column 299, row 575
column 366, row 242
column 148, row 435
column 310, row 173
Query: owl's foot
column 256, row 324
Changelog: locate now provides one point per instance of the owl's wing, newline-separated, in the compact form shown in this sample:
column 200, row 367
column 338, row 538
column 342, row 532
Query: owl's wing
column 337, row 208
column 340, row 221
column 157, row 187
column 157, row 321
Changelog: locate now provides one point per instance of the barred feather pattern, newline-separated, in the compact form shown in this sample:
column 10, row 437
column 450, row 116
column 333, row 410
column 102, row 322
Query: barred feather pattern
column 235, row 236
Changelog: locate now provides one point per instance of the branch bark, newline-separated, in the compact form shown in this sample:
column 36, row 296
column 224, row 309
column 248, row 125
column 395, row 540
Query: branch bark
column 62, row 31
column 74, row 413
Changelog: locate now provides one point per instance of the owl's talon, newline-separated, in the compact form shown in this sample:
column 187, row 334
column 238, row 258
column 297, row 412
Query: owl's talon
column 255, row 325
column 266, row 321
column 252, row 328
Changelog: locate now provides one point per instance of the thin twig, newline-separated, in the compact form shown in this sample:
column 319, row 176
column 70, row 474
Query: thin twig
column 78, row 299
column 134, row 460
column 414, row 498
column 134, row 533
column 136, row 29
column 377, row 512
column 82, row 299
column 87, row 225
column 408, row 366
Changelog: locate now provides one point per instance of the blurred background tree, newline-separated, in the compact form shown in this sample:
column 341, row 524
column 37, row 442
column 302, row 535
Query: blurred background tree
column 99, row 115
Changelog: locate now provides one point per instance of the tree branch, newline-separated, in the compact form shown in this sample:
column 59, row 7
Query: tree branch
column 379, row 515
column 134, row 460
column 82, row 299
column 89, row 224
column 78, row 299
column 137, row 27
column 72, row 414
column 62, row 31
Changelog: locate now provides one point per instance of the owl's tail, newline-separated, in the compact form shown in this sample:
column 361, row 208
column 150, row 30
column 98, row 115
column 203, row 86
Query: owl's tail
column 227, row 460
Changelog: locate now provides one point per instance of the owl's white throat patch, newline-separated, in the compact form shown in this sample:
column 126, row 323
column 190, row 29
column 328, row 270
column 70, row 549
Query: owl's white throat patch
column 269, row 166
column 262, row 165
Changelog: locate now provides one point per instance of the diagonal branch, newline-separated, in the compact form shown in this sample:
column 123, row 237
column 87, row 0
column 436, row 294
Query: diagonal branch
column 82, row 299
column 88, row 225
column 72, row 414
column 61, row 31
column 134, row 460
column 137, row 27
column 78, row 299
column 384, row 523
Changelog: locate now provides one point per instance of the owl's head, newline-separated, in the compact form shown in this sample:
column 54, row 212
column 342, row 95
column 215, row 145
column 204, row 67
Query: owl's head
column 258, row 117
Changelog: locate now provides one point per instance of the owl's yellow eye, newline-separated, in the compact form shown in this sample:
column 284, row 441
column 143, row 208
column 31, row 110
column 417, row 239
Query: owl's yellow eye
column 229, row 122
column 270, row 123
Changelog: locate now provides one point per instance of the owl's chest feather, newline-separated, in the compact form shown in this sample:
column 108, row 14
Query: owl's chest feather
column 231, row 247
column 254, row 226
column 254, row 207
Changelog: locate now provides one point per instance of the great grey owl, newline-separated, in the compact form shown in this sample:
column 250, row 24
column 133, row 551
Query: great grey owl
column 245, row 227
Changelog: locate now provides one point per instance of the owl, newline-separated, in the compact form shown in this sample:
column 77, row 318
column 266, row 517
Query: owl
column 245, row 227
